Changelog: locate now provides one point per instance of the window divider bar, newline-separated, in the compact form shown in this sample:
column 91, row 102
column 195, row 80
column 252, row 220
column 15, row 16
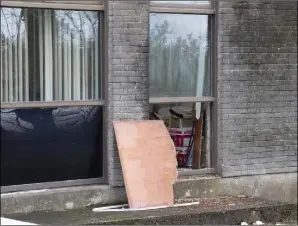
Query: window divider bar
column 52, row 104
column 162, row 100
column 50, row 185
column 193, row 172
column 69, row 6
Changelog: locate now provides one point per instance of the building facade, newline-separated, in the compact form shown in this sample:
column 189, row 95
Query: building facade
column 69, row 69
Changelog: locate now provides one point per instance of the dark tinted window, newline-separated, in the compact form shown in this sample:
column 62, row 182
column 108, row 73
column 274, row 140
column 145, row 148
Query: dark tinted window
column 53, row 144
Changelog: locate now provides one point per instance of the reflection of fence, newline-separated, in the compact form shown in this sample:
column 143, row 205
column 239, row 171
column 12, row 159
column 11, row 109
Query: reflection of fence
column 51, row 58
column 174, row 70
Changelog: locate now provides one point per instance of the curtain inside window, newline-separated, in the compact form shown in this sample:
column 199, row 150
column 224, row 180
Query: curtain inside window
column 49, row 55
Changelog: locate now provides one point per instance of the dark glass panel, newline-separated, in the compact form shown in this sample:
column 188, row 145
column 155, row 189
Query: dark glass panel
column 52, row 144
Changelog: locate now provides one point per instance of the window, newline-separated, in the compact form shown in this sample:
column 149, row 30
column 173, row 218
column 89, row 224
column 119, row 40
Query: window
column 50, row 55
column 52, row 99
column 179, row 55
column 181, row 77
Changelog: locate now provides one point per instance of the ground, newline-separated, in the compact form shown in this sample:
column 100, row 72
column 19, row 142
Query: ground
column 220, row 210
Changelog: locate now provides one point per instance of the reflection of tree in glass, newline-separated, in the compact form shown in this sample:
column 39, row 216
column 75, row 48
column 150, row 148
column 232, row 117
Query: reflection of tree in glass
column 30, row 37
column 173, row 61
column 37, row 119
column 76, row 23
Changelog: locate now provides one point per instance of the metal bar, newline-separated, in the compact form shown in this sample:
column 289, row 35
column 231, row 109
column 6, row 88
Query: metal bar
column 158, row 9
column 160, row 100
column 194, row 172
column 104, row 28
column 214, row 107
column 208, row 124
column 51, row 104
column 48, row 185
column 68, row 6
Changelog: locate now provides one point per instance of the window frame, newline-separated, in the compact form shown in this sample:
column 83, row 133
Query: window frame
column 54, row 103
column 210, row 10
column 101, row 9
column 180, row 8
column 47, row 5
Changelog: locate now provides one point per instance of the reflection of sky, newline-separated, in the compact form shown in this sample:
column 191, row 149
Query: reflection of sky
column 74, row 21
column 10, row 18
column 182, row 25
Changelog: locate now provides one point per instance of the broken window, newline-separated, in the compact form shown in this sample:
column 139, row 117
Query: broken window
column 181, row 83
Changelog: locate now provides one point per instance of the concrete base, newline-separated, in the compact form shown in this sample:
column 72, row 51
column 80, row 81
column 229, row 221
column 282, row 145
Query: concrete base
column 277, row 187
column 209, row 211
column 60, row 199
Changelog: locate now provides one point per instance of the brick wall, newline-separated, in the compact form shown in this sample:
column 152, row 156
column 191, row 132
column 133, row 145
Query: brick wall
column 257, row 82
column 257, row 87
column 128, row 88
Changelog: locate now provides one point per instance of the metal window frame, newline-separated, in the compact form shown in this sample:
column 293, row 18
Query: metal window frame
column 179, row 8
column 210, row 10
column 51, row 104
column 167, row 100
column 214, row 68
column 42, row 104
column 48, row 5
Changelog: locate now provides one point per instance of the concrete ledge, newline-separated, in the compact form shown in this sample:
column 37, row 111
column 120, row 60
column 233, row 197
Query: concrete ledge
column 207, row 211
column 269, row 214
column 60, row 199
column 278, row 187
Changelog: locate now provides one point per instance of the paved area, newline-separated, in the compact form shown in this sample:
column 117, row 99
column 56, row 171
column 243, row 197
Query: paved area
column 221, row 210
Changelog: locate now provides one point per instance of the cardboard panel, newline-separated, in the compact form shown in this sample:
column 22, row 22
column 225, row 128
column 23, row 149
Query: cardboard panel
column 147, row 155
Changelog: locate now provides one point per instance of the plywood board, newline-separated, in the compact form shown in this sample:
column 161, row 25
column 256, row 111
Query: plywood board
column 148, row 161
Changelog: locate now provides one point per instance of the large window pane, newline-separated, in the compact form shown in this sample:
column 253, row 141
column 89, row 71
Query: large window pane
column 179, row 55
column 49, row 55
column 52, row 144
